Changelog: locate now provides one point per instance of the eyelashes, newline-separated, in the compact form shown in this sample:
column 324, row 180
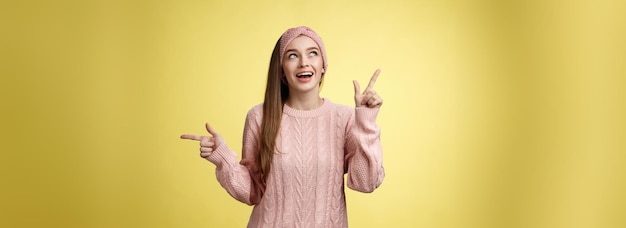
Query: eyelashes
column 293, row 55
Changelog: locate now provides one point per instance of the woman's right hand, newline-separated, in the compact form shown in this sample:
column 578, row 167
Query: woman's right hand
column 208, row 143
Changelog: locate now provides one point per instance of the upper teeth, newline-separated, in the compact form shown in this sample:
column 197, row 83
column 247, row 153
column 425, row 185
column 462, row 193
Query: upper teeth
column 305, row 74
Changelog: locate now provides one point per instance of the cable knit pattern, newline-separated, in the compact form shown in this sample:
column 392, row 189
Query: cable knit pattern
column 315, row 148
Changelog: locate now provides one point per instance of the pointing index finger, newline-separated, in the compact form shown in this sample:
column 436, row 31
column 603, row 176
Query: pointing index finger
column 373, row 79
column 191, row 137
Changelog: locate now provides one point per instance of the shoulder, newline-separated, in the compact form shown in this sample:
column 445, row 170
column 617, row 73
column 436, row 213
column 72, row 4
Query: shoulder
column 338, row 106
column 342, row 110
column 256, row 112
column 256, row 109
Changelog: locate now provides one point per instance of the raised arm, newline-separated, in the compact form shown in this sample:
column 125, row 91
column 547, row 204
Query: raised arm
column 363, row 148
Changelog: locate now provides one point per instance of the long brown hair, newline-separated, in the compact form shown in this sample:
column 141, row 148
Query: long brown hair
column 276, row 93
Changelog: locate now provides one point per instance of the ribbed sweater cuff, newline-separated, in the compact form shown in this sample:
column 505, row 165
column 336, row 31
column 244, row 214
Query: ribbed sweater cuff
column 222, row 156
column 367, row 114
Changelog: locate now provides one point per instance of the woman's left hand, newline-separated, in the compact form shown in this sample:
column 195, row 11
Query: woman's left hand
column 368, row 98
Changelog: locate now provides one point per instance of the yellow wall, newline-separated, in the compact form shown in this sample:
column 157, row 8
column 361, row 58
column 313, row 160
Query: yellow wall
column 496, row 114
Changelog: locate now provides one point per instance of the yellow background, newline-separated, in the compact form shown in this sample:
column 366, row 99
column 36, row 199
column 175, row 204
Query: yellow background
column 497, row 113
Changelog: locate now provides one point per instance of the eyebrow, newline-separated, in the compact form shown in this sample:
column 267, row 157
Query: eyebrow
column 310, row 48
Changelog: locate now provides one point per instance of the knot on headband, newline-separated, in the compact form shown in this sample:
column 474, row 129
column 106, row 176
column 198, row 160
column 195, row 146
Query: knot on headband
column 292, row 33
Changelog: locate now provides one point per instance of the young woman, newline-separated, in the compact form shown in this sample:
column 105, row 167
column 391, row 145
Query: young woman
column 297, row 146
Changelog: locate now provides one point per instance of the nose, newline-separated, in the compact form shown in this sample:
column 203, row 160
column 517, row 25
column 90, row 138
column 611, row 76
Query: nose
column 304, row 62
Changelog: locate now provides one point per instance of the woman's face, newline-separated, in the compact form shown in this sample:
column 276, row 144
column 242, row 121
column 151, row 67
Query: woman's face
column 303, row 65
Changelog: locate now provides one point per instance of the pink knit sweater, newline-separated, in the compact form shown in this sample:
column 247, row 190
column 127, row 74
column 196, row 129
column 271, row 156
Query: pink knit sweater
column 315, row 148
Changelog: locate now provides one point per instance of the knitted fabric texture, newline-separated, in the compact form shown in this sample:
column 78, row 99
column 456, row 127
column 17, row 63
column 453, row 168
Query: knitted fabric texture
column 306, row 185
column 292, row 33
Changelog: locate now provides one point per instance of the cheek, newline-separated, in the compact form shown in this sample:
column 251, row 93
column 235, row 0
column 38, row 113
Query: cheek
column 288, row 67
column 319, row 65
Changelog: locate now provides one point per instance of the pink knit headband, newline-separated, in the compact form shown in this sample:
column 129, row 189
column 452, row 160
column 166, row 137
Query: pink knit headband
column 292, row 33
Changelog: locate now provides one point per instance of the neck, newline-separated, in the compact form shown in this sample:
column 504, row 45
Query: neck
column 303, row 102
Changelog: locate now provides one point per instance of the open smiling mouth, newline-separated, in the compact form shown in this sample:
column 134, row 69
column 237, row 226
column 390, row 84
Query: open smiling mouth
column 304, row 75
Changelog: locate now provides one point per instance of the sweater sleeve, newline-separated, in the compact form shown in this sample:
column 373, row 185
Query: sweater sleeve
column 241, row 180
column 363, row 157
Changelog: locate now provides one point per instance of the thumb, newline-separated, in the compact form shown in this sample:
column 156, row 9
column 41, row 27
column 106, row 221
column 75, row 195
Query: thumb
column 210, row 130
column 357, row 88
